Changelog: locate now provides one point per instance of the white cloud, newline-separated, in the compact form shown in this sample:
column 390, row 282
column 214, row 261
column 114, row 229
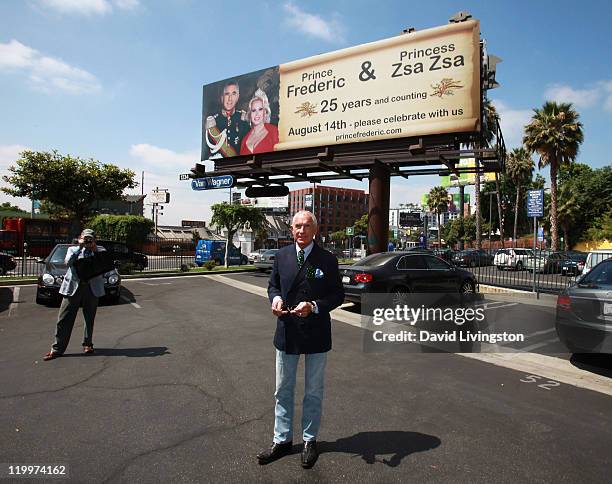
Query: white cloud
column 82, row 7
column 163, row 158
column 89, row 7
column 512, row 123
column 47, row 74
column 313, row 25
column 162, row 167
column 598, row 93
column 127, row 4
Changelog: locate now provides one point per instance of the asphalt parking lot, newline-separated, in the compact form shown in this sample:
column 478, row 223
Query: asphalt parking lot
column 180, row 389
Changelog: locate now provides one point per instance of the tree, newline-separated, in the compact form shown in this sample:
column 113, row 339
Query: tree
column 6, row 206
column 519, row 168
column 72, row 184
column 233, row 218
column 601, row 228
column 555, row 134
column 361, row 225
column 458, row 229
column 438, row 202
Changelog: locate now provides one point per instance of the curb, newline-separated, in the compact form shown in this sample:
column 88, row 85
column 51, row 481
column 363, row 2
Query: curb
column 507, row 294
column 144, row 275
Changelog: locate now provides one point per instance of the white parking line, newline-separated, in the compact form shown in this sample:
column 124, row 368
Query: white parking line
column 136, row 305
column 537, row 333
column 13, row 305
column 157, row 283
column 535, row 346
column 533, row 363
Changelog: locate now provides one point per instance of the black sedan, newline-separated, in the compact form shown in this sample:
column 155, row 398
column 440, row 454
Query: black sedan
column 124, row 254
column 53, row 272
column 584, row 312
column 400, row 273
column 473, row 258
column 7, row 263
column 573, row 263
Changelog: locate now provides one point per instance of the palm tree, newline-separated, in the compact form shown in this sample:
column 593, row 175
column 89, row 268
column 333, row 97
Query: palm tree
column 520, row 169
column 555, row 134
column 438, row 202
column 489, row 129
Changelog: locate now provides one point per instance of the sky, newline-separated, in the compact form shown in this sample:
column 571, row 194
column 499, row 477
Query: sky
column 120, row 81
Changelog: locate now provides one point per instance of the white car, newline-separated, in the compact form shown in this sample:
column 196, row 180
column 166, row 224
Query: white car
column 512, row 258
column 266, row 261
column 595, row 257
column 255, row 255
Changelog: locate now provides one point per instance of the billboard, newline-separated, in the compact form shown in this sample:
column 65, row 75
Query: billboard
column 415, row 84
column 465, row 178
column 266, row 202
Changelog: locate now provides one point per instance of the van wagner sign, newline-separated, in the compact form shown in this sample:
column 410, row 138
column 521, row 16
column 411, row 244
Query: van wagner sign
column 421, row 83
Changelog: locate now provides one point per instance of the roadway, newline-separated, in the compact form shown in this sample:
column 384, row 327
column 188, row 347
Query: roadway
column 180, row 389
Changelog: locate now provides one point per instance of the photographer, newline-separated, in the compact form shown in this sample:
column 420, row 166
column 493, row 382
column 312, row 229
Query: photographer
column 77, row 294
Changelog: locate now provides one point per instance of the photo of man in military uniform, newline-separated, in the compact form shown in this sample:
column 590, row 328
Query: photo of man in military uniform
column 224, row 131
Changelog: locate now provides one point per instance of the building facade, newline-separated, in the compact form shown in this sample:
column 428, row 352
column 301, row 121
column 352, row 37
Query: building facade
column 335, row 208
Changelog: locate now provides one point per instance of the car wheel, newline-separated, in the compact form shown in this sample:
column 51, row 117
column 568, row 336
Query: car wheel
column 400, row 295
column 199, row 264
column 467, row 288
column 519, row 266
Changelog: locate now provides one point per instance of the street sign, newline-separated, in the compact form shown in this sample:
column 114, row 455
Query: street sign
column 184, row 176
column 535, row 203
column 540, row 234
column 212, row 182
column 159, row 197
column 350, row 230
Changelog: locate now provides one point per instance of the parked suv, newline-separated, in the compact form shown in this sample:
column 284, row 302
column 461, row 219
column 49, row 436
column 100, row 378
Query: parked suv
column 512, row 258
column 124, row 254
column 595, row 257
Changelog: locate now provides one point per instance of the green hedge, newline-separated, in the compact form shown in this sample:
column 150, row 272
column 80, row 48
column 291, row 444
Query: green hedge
column 131, row 229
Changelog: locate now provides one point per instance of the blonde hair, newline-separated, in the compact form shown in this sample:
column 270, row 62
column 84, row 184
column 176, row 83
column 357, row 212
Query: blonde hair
column 260, row 95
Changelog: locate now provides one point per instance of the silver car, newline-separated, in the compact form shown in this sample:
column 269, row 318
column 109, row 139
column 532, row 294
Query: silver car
column 266, row 261
column 584, row 312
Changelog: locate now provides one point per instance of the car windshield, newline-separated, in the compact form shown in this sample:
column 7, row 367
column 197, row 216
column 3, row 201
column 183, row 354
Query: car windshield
column 271, row 252
column 600, row 275
column 576, row 256
column 58, row 256
column 375, row 260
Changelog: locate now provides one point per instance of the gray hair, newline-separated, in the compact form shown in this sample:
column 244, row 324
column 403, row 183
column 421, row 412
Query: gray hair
column 308, row 214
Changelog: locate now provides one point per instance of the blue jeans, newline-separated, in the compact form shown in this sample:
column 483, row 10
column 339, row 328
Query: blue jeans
column 286, row 369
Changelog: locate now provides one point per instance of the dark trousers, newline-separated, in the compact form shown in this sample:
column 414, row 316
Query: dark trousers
column 67, row 315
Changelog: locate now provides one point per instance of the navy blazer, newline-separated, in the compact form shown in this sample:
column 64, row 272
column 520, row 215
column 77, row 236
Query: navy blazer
column 318, row 280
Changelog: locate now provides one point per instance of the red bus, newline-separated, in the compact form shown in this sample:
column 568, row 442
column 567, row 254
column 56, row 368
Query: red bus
column 41, row 235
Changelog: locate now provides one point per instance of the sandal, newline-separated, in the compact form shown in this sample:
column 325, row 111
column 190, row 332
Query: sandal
column 51, row 355
column 88, row 350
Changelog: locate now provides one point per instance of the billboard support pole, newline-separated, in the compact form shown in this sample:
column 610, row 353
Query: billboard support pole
column 535, row 258
column 378, row 208
column 461, row 215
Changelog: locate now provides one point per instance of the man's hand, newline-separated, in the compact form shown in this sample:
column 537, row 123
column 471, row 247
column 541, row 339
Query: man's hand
column 277, row 308
column 303, row 309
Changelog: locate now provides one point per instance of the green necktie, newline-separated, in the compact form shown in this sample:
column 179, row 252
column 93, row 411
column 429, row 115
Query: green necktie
column 300, row 258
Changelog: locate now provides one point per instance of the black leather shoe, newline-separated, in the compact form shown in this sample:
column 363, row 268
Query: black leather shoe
column 276, row 451
column 310, row 454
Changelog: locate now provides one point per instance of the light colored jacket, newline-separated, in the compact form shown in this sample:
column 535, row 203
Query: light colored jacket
column 70, row 284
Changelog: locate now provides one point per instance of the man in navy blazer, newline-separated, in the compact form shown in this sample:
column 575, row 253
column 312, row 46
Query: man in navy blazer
column 304, row 286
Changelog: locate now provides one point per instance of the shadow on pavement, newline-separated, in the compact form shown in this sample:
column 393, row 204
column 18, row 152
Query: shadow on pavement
column 6, row 298
column 368, row 445
column 600, row 364
column 129, row 352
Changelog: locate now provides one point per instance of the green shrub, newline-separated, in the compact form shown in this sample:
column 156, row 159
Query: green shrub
column 185, row 268
column 131, row 229
column 210, row 265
